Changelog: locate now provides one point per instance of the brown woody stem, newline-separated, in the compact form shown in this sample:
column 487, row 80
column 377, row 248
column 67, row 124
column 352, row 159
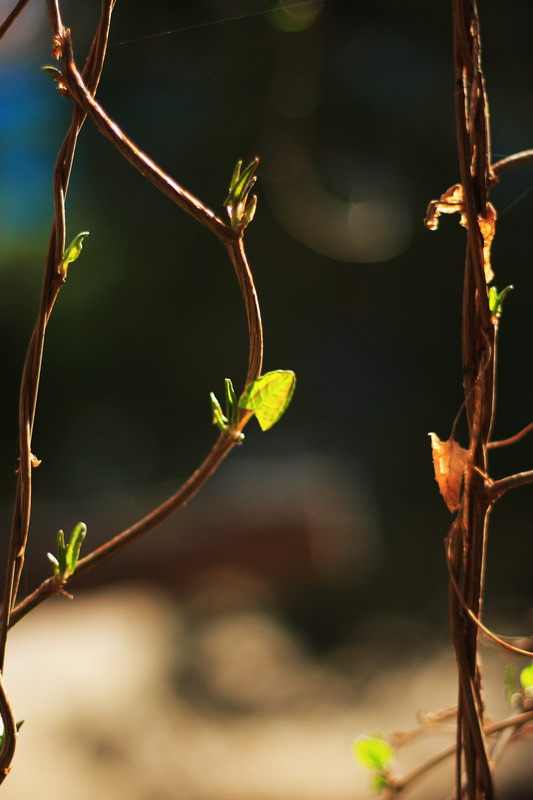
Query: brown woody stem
column 11, row 17
column 516, row 160
column 498, row 488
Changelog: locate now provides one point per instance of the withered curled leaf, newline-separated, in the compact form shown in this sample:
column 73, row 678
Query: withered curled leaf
column 449, row 462
column 487, row 226
column 450, row 202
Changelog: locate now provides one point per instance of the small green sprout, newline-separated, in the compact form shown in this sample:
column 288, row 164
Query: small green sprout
column 53, row 72
column 67, row 555
column 269, row 396
column 376, row 754
column 71, row 253
column 219, row 418
column 232, row 406
column 238, row 204
column 496, row 299
column 227, row 422
column 526, row 680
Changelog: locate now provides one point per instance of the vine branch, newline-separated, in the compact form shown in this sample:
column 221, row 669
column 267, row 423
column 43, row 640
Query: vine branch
column 401, row 783
column 12, row 16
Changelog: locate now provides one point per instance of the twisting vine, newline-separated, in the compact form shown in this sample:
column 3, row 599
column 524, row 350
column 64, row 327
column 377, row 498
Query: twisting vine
column 265, row 396
column 463, row 474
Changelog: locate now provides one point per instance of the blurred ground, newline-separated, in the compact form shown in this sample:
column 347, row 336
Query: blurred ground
column 128, row 695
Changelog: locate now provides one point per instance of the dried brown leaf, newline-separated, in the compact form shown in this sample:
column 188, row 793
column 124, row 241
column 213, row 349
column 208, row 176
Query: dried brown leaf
column 451, row 202
column 449, row 462
column 487, row 226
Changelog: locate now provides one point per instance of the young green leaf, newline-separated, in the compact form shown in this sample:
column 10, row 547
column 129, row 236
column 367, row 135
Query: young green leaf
column 232, row 406
column 59, row 562
column 219, row 418
column 234, row 178
column 72, row 252
column 526, row 677
column 249, row 211
column 72, row 553
column 227, row 422
column 238, row 204
column 269, row 396
column 496, row 299
column 61, row 552
column 53, row 72
column 373, row 752
column 67, row 555
column 55, row 564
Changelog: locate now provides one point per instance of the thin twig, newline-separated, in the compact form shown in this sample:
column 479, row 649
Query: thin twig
column 186, row 201
column 118, row 543
column 406, row 780
column 497, row 489
column 512, row 439
column 230, row 238
column 516, row 160
column 494, row 636
column 11, row 17
column 233, row 241
column 51, row 286
column 10, row 733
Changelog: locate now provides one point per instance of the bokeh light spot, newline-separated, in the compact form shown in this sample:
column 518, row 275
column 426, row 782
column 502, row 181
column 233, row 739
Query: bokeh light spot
column 294, row 17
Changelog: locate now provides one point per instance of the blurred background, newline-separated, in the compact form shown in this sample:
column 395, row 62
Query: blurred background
column 301, row 599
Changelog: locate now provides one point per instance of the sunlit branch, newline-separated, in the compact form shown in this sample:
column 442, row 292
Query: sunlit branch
column 498, row 488
column 512, row 439
column 516, row 160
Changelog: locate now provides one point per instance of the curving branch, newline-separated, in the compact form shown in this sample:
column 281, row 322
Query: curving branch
column 76, row 88
column 497, row 489
column 516, row 160
column 81, row 88
column 53, row 280
column 233, row 241
column 118, row 543
column 512, row 439
column 231, row 238
column 51, row 286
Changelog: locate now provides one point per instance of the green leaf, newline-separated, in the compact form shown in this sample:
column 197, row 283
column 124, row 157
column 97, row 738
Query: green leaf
column 72, row 553
column 72, row 252
column 61, row 552
column 239, row 206
column 53, row 72
column 526, row 676
column 232, row 406
column 67, row 556
column 496, row 299
column 55, row 563
column 218, row 417
column 269, row 396
column 249, row 211
column 235, row 178
column 373, row 752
